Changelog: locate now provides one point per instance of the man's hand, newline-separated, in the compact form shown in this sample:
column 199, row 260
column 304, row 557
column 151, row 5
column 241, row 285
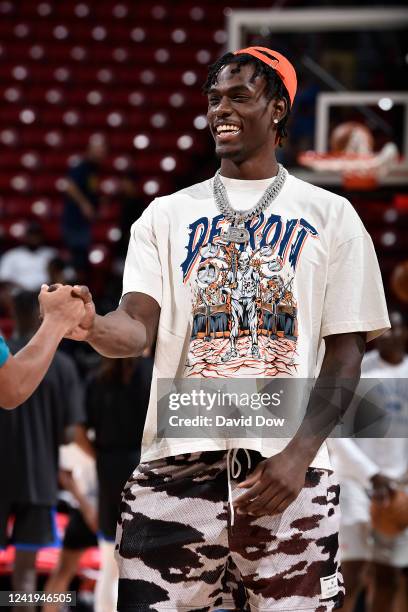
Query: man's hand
column 273, row 486
column 59, row 305
column 83, row 329
column 125, row 332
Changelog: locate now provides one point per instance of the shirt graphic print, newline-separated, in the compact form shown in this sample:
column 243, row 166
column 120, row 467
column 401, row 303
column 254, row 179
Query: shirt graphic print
column 244, row 304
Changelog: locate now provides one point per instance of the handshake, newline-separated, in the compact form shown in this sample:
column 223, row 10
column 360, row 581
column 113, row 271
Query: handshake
column 69, row 308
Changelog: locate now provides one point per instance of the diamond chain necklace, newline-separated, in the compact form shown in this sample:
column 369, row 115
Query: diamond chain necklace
column 237, row 233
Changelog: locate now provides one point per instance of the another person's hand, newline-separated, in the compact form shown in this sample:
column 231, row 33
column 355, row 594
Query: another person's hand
column 59, row 305
column 82, row 331
column 383, row 488
column 273, row 485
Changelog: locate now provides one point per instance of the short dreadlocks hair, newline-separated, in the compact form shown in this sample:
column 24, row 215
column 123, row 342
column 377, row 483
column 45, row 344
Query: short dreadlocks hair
column 274, row 85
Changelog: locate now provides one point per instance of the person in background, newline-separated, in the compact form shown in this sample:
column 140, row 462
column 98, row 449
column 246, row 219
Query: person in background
column 131, row 207
column 30, row 437
column 374, row 466
column 81, row 202
column 26, row 266
column 117, row 398
column 22, row 373
column 78, row 478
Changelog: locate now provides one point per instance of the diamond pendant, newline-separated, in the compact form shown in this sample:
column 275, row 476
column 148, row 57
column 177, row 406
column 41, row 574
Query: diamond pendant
column 239, row 235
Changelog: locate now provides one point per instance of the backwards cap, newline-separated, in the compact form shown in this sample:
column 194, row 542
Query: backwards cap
column 279, row 63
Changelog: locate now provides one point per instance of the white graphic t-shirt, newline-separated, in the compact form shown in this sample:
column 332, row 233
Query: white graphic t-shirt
column 253, row 310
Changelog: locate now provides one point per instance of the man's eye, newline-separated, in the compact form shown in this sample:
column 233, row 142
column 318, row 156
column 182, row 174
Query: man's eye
column 240, row 98
column 213, row 101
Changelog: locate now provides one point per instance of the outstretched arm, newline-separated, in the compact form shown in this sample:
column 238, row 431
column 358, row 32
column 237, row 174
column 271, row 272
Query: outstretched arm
column 22, row 373
column 126, row 331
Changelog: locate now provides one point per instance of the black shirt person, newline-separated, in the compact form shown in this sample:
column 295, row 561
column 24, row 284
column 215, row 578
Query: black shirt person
column 81, row 202
column 117, row 397
column 131, row 207
column 116, row 404
column 29, row 439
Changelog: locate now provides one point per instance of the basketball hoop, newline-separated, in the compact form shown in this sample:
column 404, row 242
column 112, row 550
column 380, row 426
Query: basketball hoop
column 352, row 157
column 358, row 171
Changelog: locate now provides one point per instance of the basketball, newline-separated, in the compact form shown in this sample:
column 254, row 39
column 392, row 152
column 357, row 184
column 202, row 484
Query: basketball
column 351, row 137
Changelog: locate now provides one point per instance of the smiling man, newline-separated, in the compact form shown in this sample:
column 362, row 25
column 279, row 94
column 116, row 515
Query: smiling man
column 242, row 275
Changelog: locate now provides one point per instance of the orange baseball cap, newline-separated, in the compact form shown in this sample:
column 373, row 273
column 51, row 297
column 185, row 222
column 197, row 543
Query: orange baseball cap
column 279, row 63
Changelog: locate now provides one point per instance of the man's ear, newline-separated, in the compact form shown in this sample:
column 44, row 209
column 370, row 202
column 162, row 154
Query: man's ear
column 279, row 109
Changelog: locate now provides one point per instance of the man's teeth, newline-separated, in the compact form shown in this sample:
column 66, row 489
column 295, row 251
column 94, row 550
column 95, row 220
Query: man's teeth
column 227, row 128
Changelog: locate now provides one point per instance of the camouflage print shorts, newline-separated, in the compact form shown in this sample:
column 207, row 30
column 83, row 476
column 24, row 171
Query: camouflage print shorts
column 177, row 550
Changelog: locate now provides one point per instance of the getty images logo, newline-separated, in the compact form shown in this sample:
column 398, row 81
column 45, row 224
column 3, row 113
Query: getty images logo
column 210, row 400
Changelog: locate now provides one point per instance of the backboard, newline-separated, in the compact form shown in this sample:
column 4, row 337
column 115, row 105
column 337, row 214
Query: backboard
column 352, row 65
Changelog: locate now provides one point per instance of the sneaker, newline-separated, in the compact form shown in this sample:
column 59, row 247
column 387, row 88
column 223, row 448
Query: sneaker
column 229, row 355
column 255, row 351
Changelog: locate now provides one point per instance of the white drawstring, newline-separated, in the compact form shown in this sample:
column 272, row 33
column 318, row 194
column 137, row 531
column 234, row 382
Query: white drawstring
column 234, row 471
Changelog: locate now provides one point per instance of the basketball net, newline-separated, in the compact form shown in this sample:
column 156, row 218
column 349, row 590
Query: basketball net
column 358, row 171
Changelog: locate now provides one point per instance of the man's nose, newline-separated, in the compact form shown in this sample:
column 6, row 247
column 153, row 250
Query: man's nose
column 224, row 107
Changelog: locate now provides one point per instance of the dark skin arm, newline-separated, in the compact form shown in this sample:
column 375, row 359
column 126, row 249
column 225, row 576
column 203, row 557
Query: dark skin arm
column 125, row 332
column 276, row 482
column 84, row 443
column 83, row 203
